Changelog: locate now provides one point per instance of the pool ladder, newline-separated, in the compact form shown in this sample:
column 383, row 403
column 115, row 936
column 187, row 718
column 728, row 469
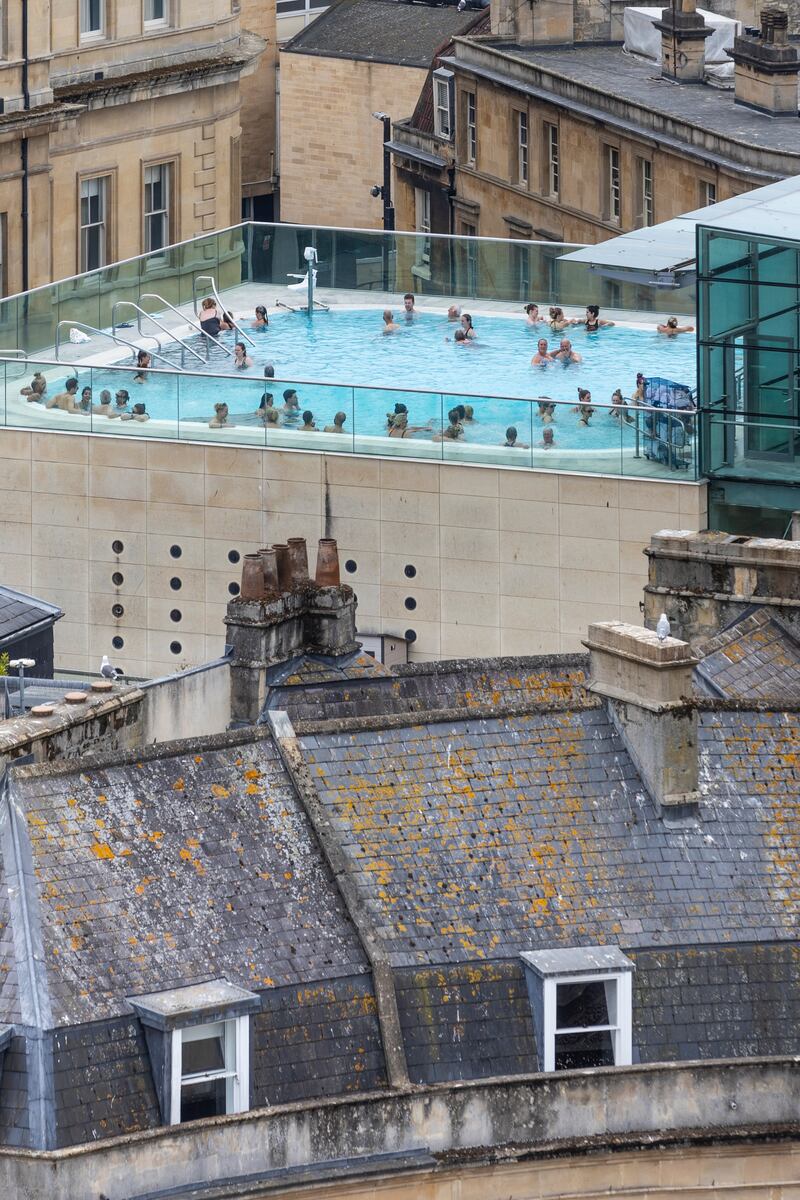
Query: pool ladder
column 140, row 312
column 114, row 337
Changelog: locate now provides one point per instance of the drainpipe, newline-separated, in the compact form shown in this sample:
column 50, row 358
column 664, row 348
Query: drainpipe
column 23, row 147
column 451, row 223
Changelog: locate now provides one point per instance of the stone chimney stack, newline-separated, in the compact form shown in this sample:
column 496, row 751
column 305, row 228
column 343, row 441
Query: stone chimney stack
column 767, row 66
column 534, row 22
column 683, row 42
column 647, row 683
column 280, row 614
column 705, row 581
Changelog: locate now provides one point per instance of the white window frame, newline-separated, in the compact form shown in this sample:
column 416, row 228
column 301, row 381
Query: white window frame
column 646, row 205
column 165, row 212
column 443, row 104
column 614, row 184
column 104, row 193
column 151, row 22
column 236, row 1072
column 471, row 122
column 619, row 1002
column 709, row 187
column 88, row 34
column 523, row 148
column 422, row 225
column 553, row 170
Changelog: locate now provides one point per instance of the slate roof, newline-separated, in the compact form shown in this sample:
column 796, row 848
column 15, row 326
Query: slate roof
column 19, row 612
column 480, row 838
column 385, row 31
column 453, row 684
column 755, row 658
column 174, row 869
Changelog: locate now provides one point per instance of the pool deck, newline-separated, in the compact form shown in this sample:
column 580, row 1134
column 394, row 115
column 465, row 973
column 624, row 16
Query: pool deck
column 242, row 301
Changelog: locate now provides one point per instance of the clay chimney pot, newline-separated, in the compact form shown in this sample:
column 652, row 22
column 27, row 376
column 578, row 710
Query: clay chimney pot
column 252, row 578
column 284, row 570
column 327, row 573
column 298, row 560
column 269, row 563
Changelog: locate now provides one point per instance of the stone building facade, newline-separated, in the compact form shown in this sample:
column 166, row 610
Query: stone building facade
column 120, row 132
column 559, row 135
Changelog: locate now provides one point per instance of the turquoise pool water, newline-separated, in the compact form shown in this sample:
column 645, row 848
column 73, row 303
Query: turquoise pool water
column 429, row 370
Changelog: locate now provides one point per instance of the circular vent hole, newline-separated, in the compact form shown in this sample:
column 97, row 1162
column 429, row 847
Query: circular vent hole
column 351, row 565
column 410, row 635
column 117, row 547
column 117, row 610
column 175, row 551
column 175, row 615
column 410, row 603
column 175, row 647
column 233, row 588
column 117, row 642
column 233, row 556
column 175, row 583
column 409, row 570
column 118, row 579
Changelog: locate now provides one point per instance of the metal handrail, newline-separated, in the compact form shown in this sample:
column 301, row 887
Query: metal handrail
column 114, row 337
column 141, row 313
column 194, row 324
column 218, row 299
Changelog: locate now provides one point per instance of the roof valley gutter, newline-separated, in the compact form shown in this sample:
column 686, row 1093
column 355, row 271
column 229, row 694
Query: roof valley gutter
column 34, row 993
column 382, row 975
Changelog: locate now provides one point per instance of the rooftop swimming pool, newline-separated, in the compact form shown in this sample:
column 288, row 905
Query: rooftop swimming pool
column 426, row 370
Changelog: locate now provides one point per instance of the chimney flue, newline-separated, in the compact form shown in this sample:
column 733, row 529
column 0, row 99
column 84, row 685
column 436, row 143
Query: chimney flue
column 327, row 572
column 252, row 587
column 767, row 66
column 269, row 563
column 284, row 566
column 298, row 561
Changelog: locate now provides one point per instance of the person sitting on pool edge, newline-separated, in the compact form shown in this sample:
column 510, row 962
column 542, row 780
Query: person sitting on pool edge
column 584, row 406
column 594, row 322
column 338, row 423
column 308, row 425
column 142, row 362
column 66, row 400
column 389, row 323
column 619, row 409
column 548, row 439
column 220, row 418
column 542, row 356
column 137, row 413
column 565, row 354
column 672, row 328
column 511, row 439
column 35, row 390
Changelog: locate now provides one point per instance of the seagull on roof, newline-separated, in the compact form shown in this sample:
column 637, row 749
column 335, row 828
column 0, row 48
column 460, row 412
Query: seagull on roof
column 662, row 628
column 106, row 669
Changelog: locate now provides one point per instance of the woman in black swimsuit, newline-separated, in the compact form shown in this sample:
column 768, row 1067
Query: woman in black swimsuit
column 594, row 322
column 209, row 318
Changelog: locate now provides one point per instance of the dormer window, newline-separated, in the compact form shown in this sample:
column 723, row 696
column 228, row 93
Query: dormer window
column 198, row 1039
column 582, row 1006
column 443, row 104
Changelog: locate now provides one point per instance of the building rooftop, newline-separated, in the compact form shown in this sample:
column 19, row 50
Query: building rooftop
column 19, row 612
column 384, row 31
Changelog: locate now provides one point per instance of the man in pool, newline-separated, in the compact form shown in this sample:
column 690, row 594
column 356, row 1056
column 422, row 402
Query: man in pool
column 291, row 405
column 565, row 354
column 672, row 328
column 511, row 439
column 66, row 400
column 338, row 424
column 408, row 306
column 454, row 429
column 269, row 371
column 121, row 400
column 542, row 356
column 308, row 425
column 454, row 312
column 389, row 323
column 548, row 440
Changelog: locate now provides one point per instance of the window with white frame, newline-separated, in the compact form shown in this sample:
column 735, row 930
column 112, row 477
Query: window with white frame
column 157, row 206
column 156, row 12
column 552, row 172
column 304, row 8
column 522, row 148
column 94, row 216
column 582, row 1007
column 613, row 185
column 471, row 124
column 210, row 1070
column 708, row 193
column 645, row 213
column 422, row 224
column 92, row 19
column 443, row 104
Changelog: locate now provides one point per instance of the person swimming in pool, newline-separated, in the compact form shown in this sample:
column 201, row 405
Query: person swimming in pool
column 558, row 321
column 308, row 425
column 241, row 359
column 267, row 401
column 338, row 424
column 142, row 363
column 565, row 354
column 547, row 409
column 291, row 404
column 389, row 323
column 461, row 338
column 85, row 402
column 454, row 429
column 400, row 427
column 619, row 409
column 548, row 440
column 584, row 406
column 672, row 328
column 261, row 318
column 409, row 312
column 467, row 326
column 543, row 356
column 532, row 317
column 454, row 312
column 511, row 439
column 220, row 420
column 594, row 322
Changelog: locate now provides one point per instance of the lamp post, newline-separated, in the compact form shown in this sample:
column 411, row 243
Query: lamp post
column 21, row 665
column 384, row 190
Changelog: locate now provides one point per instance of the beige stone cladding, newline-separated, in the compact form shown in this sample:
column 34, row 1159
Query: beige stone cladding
column 476, row 561
column 258, row 113
column 331, row 148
